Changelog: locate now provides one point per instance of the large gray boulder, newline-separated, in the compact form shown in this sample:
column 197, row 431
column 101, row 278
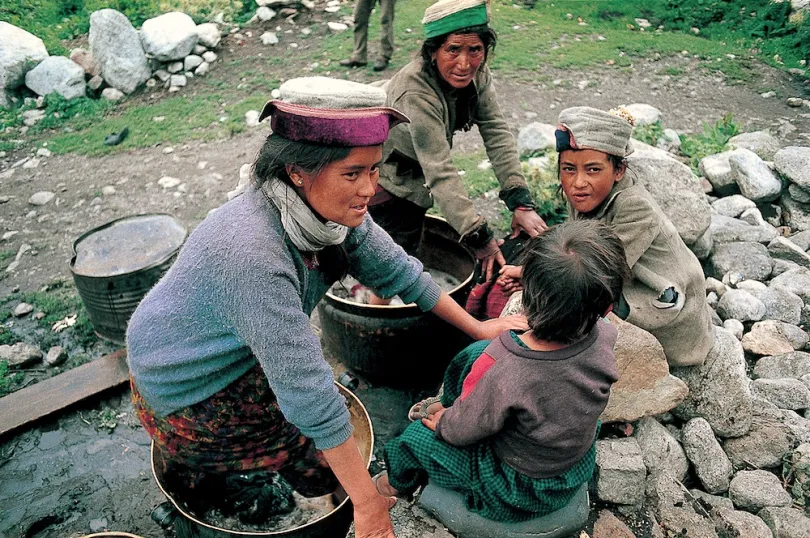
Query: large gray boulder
column 785, row 249
column 755, row 179
column 785, row 522
column 645, row 386
column 763, row 143
column 747, row 258
column 732, row 206
column 788, row 365
column 115, row 45
column 712, row 466
column 718, row 388
column 793, row 162
column 660, row 451
column 780, row 304
column 674, row 187
column 536, row 137
column 717, row 171
column 727, row 229
column 739, row 523
column 675, row 511
column 763, row 447
column 740, row 305
column 170, row 36
column 20, row 51
column 620, row 471
column 785, row 393
column 798, row 193
column 755, row 490
column 796, row 281
column 795, row 214
column 57, row 74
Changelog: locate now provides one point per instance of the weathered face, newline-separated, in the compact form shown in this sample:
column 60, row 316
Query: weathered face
column 587, row 176
column 340, row 192
column 459, row 59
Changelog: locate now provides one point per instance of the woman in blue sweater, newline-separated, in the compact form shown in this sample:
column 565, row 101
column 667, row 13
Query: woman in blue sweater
column 228, row 378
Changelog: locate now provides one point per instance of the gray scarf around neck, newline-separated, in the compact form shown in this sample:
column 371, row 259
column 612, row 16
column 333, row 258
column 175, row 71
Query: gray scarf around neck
column 306, row 231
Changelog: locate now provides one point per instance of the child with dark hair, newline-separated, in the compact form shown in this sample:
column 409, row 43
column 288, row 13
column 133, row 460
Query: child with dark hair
column 516, row 426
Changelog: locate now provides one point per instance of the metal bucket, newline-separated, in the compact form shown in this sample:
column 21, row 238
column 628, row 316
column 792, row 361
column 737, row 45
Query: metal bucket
column 400, row 346
column 115, row 264
column 335, row 524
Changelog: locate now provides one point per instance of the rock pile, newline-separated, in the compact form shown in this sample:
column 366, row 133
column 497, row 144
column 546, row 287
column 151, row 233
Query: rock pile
column 720, row 449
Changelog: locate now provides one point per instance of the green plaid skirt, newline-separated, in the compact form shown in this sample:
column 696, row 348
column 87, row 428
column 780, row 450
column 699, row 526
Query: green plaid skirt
column 492, row 488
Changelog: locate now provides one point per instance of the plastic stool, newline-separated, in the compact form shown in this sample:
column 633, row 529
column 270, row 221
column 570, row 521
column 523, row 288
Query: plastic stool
column 448, row 507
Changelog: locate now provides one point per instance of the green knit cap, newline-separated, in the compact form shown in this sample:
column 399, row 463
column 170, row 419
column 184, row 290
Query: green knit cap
column 447, row 16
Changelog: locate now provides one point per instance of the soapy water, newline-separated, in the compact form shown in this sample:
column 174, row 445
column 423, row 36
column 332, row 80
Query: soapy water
column 306, row 510
column 351, row 290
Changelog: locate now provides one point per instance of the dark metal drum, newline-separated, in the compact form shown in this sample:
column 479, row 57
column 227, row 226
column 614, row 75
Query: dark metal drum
column 116, row 264
column 335, row 524
column 400, row 346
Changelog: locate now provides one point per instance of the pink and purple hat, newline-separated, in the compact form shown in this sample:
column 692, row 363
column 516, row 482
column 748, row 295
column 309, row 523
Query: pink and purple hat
column 331, row 112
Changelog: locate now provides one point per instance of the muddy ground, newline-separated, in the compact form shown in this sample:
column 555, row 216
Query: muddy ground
column 75, row 474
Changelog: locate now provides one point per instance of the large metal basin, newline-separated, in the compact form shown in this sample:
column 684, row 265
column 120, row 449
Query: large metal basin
column 400, row 346
column 335, row 524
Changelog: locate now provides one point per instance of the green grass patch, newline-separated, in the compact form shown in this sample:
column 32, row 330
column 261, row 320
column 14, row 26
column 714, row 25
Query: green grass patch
column 58, row 302
column 649, row 133
column 711, row 140
column 8, row 378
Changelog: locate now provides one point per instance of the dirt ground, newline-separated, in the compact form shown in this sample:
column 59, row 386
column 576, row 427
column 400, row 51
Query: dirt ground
column 70, row 475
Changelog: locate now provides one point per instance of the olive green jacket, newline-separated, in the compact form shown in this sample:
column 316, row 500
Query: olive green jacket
column 417, row 161
column 659, row 259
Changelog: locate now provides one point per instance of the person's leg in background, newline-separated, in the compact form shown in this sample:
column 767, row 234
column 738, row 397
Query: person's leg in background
column 386, row 34
column 362, row 12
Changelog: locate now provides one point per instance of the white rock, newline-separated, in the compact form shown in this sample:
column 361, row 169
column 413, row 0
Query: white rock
column 168, row 182
column 536, row 137
column 740, row 305
column 265, row 14
column 57, row 74
column 20, row 354
column 780, row 304
column 712, row 466
column 621, row 473
column 174, row 67
column 43, row 152
column 785, row 249
column 269, row 38
column 337, row 26
column 191, row 61
column 252, row 118
column 749, row 259
column 794, row 163
column 170, row 36
column 762, row 143
column 768, row 337
column 41, row 198
column 752, row 175
column 644, row 114
column 732, row 206
column 178, row 81
column 210, row 56
column 669, row 141
column 97, row 82
column 754, row 490
column 56, row 356
column 208, row 35
column 726, row 230
column 19, row 52
column 734, row 326
column 116, row 46
column 202, row 69
column 23, row 309
column 660, row 451
column 112, row 94
column 785, row 522
column 717, row 170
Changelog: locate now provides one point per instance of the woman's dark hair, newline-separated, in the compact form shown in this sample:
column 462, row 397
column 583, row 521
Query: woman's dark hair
column 433, row 44
column 572, row 273
column 271, row 165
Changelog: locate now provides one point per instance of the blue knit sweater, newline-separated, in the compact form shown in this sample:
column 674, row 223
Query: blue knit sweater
column 240, row 292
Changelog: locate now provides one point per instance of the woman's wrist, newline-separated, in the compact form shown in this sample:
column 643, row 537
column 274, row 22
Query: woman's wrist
column 478, row 237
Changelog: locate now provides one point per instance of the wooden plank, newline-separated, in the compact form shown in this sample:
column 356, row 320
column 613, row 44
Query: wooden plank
column 61, row 391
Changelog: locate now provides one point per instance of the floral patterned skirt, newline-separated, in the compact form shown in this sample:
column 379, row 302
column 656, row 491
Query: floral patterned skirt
column 240, row 429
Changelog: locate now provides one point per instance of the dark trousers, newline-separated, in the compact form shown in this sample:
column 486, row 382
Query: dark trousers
column 362, row 13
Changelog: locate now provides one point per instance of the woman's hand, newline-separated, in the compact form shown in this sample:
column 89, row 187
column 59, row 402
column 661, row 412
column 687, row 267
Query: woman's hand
column 527, row 220
column 491, row 258
column 432, row 419
column 371, row 519
column 509, row 278
column 487, row 330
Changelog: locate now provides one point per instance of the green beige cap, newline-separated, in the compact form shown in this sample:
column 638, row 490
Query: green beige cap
column 447, row 16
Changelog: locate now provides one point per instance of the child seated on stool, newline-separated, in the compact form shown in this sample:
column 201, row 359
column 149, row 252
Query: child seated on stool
column 516, row 427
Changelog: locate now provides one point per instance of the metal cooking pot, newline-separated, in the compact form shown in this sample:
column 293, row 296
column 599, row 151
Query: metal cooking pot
column 335, row 524
column 399, row 345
